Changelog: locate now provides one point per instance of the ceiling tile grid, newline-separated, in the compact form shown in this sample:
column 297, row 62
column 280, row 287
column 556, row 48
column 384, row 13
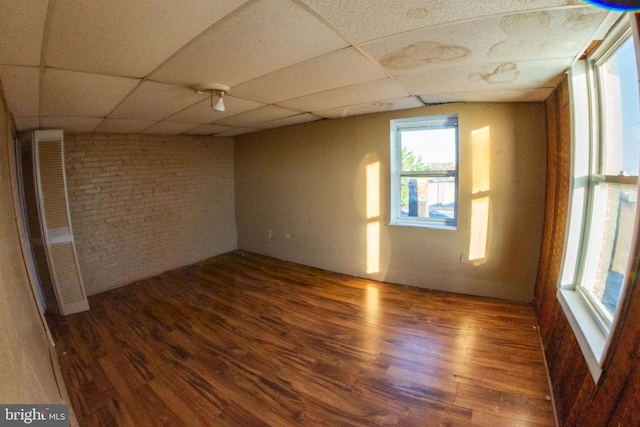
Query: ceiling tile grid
column 129, row 66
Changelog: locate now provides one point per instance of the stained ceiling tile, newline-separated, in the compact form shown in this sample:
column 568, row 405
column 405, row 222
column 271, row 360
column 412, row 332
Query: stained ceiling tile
column 169, row 128
column 497, row 76
column 74, row 94
column 71, row 124
column 123, row 37
column 542, row 35
column 291, row 120
column 209, row 130
column 155, row 101
column 371, row 107
column 22, row 89
column 253, row 118
column 364, row 20
column 123, row 126
column 335, row 69
column 500, row 95
column 348, row 95
column 258, row 39
column 203, row 113
column 21, row 31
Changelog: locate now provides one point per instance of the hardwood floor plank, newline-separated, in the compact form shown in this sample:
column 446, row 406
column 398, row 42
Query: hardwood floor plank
column 245, row 340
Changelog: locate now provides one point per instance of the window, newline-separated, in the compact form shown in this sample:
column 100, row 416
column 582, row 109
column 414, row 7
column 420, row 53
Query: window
column 606, row 162
column 424, row 171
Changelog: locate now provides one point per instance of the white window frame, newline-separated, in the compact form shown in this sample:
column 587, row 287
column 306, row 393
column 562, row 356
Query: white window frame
column 591, row 327
column 447, row 121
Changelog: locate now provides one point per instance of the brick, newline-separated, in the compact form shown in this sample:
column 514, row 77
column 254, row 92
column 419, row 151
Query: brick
column 144, row 204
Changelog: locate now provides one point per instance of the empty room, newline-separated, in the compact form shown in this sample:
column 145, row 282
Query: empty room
column 319, row 212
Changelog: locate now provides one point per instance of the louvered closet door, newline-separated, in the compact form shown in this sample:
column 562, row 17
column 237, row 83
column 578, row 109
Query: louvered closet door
column 55, row 222
column 34, row 227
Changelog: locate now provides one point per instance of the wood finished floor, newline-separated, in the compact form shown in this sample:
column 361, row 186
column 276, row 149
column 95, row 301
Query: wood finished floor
column 244, row 340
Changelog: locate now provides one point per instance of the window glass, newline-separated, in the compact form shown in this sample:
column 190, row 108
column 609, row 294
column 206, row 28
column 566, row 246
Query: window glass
column 613, row 181
column 424, row 162
column 428, row 197
column 429, row 149
column 613, row 219
column 620, row 111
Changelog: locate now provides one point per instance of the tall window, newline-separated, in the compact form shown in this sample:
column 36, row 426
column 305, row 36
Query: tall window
column 613, row 179
column 605, row 166
column 424, row 171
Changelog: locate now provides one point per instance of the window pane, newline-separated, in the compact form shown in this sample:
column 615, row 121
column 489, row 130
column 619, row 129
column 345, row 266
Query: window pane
column 621, row 116
column 428, row 197
column 428, row 149
column 610, row 242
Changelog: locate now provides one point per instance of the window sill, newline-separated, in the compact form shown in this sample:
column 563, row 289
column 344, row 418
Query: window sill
column 590, row 338
column 423, row 224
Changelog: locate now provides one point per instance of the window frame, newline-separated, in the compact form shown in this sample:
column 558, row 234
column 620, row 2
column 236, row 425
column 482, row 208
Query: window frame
column 594, row 62
column 446, row 121
column 592, row 328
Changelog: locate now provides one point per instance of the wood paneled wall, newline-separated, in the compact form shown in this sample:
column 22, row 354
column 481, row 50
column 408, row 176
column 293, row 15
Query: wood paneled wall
column 615, row 401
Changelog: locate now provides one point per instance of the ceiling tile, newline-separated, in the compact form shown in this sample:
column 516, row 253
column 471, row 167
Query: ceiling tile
column 124, row 37
column 371, row 107
column 123, row 126
column 535, row 35
column 71, row 124
column 348, row 95
column 24, row 124
column 209, row 130
column 505, row 75
column 253, row 118
column 21, row 88
column 73, row 94
column 22, row 29
column 169, row 128
column 155, row 101
column 292, row 120
column 260, row 38
column 500, row 95
column 335, row 69
column 203, row 113
column 363, row 20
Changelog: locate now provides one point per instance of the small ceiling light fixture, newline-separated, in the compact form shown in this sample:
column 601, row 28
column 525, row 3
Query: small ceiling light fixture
column 217, row 89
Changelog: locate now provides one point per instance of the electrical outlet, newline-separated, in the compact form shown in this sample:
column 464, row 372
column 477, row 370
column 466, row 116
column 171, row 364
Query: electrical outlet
column 270, row 233
column 464, row 258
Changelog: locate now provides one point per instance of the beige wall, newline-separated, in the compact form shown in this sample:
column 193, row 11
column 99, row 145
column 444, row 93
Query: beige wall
column 144, row 204
column 309, row 184
column 25, row 369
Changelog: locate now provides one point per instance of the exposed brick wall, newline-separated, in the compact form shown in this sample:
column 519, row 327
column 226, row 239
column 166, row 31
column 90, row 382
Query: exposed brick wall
column 141, row 205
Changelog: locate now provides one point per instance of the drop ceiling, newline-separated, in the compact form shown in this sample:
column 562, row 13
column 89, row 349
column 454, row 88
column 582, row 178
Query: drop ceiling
column 128, row 66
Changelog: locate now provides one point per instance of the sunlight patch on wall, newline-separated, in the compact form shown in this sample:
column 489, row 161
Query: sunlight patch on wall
column 481, row 160
column 373, row 247
column 481, row 184
column 373, row 190
column 373, row 217
column 479, row 230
